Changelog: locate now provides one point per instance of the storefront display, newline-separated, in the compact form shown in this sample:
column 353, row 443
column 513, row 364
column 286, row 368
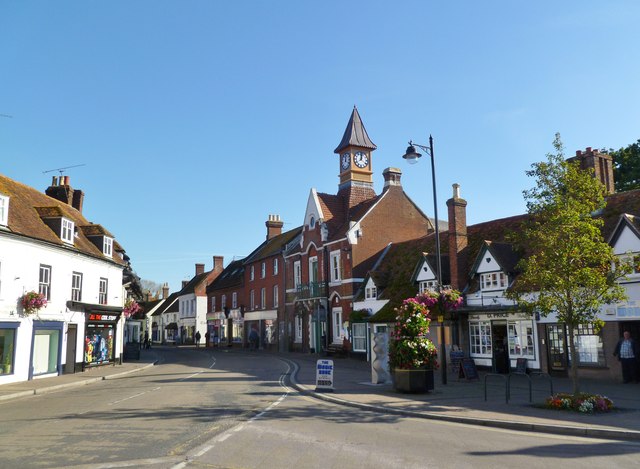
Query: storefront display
column 99, row 339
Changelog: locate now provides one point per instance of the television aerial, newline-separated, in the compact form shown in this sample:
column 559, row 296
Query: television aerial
column 62, row 170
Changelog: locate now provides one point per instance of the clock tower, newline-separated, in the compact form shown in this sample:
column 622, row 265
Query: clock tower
column 354, row 151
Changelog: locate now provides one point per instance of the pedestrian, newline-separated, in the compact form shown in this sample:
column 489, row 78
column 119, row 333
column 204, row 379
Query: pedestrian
column 147, row 345
column 627, row 353
column 207, row 336
column 197, row 338
column 253, row 339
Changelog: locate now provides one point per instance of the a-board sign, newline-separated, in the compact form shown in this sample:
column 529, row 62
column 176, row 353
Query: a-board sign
column 468, row 369
column 455, row 357
column 324, row 375
column 131, row 351
column 521, row 366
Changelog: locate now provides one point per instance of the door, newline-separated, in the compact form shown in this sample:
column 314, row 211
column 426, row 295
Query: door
column 72, row 344
column 556, row 349
column 501, row 362
column 336, row 325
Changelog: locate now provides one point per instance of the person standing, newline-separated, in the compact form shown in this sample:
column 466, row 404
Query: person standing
column 207, row 337
column 627, row 353
column 197, row 338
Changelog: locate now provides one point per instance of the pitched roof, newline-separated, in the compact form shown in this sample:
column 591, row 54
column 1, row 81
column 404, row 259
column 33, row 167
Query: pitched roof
column 273, row 246
column 28, row 208
column 231, row 276
column 355, row 134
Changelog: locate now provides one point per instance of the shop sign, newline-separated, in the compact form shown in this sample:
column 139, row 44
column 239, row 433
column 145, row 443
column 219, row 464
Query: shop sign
column 102, row 317
column 324, row 375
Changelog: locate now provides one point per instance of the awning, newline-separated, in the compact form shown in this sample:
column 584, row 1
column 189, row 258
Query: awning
column 171, row 325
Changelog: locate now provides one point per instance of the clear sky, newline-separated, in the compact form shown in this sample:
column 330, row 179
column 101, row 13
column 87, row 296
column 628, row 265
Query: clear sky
column 195, row 120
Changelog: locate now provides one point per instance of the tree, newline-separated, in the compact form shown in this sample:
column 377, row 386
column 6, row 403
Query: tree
column 151, row 290
column 568, row 269
column 626, row 167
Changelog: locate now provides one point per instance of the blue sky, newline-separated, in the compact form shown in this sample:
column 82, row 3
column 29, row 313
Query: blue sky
column 195, row 120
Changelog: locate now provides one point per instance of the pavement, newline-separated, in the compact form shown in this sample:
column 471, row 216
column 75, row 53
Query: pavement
column 480, row 402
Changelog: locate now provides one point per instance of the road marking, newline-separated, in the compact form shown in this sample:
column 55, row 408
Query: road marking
column 131, row 397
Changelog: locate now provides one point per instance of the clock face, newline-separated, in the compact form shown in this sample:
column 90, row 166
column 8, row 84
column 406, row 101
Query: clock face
column 346, row 158
column 361, row 159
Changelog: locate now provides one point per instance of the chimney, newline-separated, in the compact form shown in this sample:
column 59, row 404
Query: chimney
column 184, row 283
column 274, row 226
column 457, row 208
column 60, row 190
column 600, row 163
column 391, row 178
column 199, row 269
column 165, row 291
column 218, row 262
column 78, row 199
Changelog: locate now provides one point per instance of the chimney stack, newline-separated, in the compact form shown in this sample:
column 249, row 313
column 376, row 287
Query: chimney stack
column 601, row 163
column 165, row 291
column 274, row 226
column 60, row 190
column 199, row 269
column 184, row 283
column 391, row 178
column 457, row 208
column 218, row 262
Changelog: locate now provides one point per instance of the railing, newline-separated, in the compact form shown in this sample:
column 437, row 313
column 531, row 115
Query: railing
column 311, row 290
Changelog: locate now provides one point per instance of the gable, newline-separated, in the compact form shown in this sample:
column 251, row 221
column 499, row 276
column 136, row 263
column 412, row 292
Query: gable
column 626, row 241
column 487, row 262
column 314, row 209
column 425, row 273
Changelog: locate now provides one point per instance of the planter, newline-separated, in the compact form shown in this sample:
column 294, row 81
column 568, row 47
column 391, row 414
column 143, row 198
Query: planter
column 414, row 381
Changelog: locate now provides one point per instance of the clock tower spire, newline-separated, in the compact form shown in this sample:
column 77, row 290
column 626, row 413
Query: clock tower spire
column 354, row 150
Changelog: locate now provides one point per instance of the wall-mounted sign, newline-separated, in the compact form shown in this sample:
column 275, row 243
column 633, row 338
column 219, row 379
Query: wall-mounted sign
column 103, row 317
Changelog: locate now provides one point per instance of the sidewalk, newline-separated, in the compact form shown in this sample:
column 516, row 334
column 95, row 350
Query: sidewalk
column 464, row 401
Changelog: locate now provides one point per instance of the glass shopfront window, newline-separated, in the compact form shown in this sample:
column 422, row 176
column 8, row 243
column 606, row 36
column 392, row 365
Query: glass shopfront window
column 480, row 337
column 7, row 347
column 98, row 344
column 588, row 346
column 521, row 343
column 46, row 351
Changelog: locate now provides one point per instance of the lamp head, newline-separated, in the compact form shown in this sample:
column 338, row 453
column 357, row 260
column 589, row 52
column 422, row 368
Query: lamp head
column 411, row 155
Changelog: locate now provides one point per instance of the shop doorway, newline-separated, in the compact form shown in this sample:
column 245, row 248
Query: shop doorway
column 500, row 347
column 72, row 345
column 557, row 349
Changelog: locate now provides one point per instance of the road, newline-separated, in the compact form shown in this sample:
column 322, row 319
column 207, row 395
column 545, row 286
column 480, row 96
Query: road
column 202, row 408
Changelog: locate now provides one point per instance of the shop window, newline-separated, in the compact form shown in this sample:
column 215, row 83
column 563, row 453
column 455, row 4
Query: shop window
column 98, row 344
column 521, row 339
column 359, row 336
column 7, row 347
column 589, row 346
column 46, row 345
column 480, row 338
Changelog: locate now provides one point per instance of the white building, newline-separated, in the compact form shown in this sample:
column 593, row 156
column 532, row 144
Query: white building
column 47, row 246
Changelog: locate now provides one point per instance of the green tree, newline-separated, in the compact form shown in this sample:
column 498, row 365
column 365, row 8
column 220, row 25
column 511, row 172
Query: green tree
column 568, row 268
column 626, row 167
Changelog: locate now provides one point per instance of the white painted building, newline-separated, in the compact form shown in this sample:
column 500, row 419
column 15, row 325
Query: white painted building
column 47, row 246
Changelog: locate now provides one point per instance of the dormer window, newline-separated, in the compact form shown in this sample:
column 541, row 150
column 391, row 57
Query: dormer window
column 107, row 246
column 67, row 231
column 370, row 293
column 4, row 210
column 493, row 281
column 428, row 285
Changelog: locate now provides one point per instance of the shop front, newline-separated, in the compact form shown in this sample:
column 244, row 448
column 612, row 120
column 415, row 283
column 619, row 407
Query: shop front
column 498, row 339
column 100, row 338
column 264, row 324
column 47, row 349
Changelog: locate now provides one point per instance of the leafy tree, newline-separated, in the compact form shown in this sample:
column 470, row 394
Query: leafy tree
column 151, row 289
column 568, row 267
column 626, row 167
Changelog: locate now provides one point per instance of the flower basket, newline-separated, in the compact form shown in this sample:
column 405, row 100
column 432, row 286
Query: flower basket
column 32, row 302
column 441, row 303
column 131, row 307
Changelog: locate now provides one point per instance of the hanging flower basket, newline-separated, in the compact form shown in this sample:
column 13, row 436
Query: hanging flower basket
column 32, row 302
column 441, row 303
column 131, row 307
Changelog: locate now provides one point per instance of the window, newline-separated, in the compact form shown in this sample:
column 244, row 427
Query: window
column 298, row 332
column 213, row 304
column 252, row 273
column 520, row 339
column 7, row 348
column 588, row 346
column 336, row 273
column 312, row 222
column 263, row 270
column 370, row 293
column 359, row 336
column 224, row 302
column 252, row 300
column 480, row 337
column 103, row 290
column 4, row 210
column 107, row 246
column 275, row 266
column 234, row 300
column 428, row 285
column 275, row 296
column 67, row 231
column 297, row 274
column 44, row 284
column 493, row 281
column 313, row 269
column 263, row 298
column 76, row 286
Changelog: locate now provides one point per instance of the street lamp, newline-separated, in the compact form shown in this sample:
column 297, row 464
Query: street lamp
column 412, row 156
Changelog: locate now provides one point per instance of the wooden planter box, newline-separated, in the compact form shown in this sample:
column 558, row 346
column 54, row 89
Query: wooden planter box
column 413, row 381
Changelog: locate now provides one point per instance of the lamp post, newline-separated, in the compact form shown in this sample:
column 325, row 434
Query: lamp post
column 412, row 156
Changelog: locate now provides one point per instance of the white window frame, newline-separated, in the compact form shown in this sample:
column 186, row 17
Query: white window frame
column 298, row 329
column 427, row 285
column 275, row 296
column 359, row 336
column 493, row 281
column 297, row 274
column 213, row 304
column 263, row 298
column 371, row 293
column 234, row 299
column 103, row 291
column 480, row 339
column 76, row 286
column 224, row 302
column 44, row 281
column 4, row 210
column 336, row 267
column 67, row 230
column 336, row 321
column 252, row 273
column 313, row 261
column 275, row 266
column 107, row 246
column 252, row 300
column 263, row 270
column 521, row 339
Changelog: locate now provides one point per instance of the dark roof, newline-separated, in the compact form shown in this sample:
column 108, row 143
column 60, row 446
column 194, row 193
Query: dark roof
column 504, row 253
column 273, row 246
column 191, row 285
column 355, row 134
column 166, row 306
column 231, row 276
column 28, row 208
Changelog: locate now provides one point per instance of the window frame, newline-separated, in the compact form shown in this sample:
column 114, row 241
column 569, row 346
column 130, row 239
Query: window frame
column 103, row 293
column 252, row 274
column 4, row 210
column 252, row 300
column 76, row 286
column 297, row 274
column 107, row 246
column 263, row 298
column 67, row 230
column 336, row 266
column 371, row 293
column 275, row 296
column 359, row 339
column 44, row 281
column 298, row 326
column 263, row 270
column 427, row 285
column 275, row 266
column 234, row 299
column 492, row 281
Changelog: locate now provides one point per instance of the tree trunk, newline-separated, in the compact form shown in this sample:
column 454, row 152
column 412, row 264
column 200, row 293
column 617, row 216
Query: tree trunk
column 574, row 361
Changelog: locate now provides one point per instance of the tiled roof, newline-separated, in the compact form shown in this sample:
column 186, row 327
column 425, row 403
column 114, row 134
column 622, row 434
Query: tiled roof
column 231, row 276
column 190, row 287
column 273, row 246
column 27, row 209
column 355, row 134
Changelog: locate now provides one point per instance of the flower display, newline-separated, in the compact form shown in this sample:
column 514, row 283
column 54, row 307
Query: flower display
column 131, row 307
column 439, row 303
column 582, row 402
column 32, row 302
column 409, row 346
